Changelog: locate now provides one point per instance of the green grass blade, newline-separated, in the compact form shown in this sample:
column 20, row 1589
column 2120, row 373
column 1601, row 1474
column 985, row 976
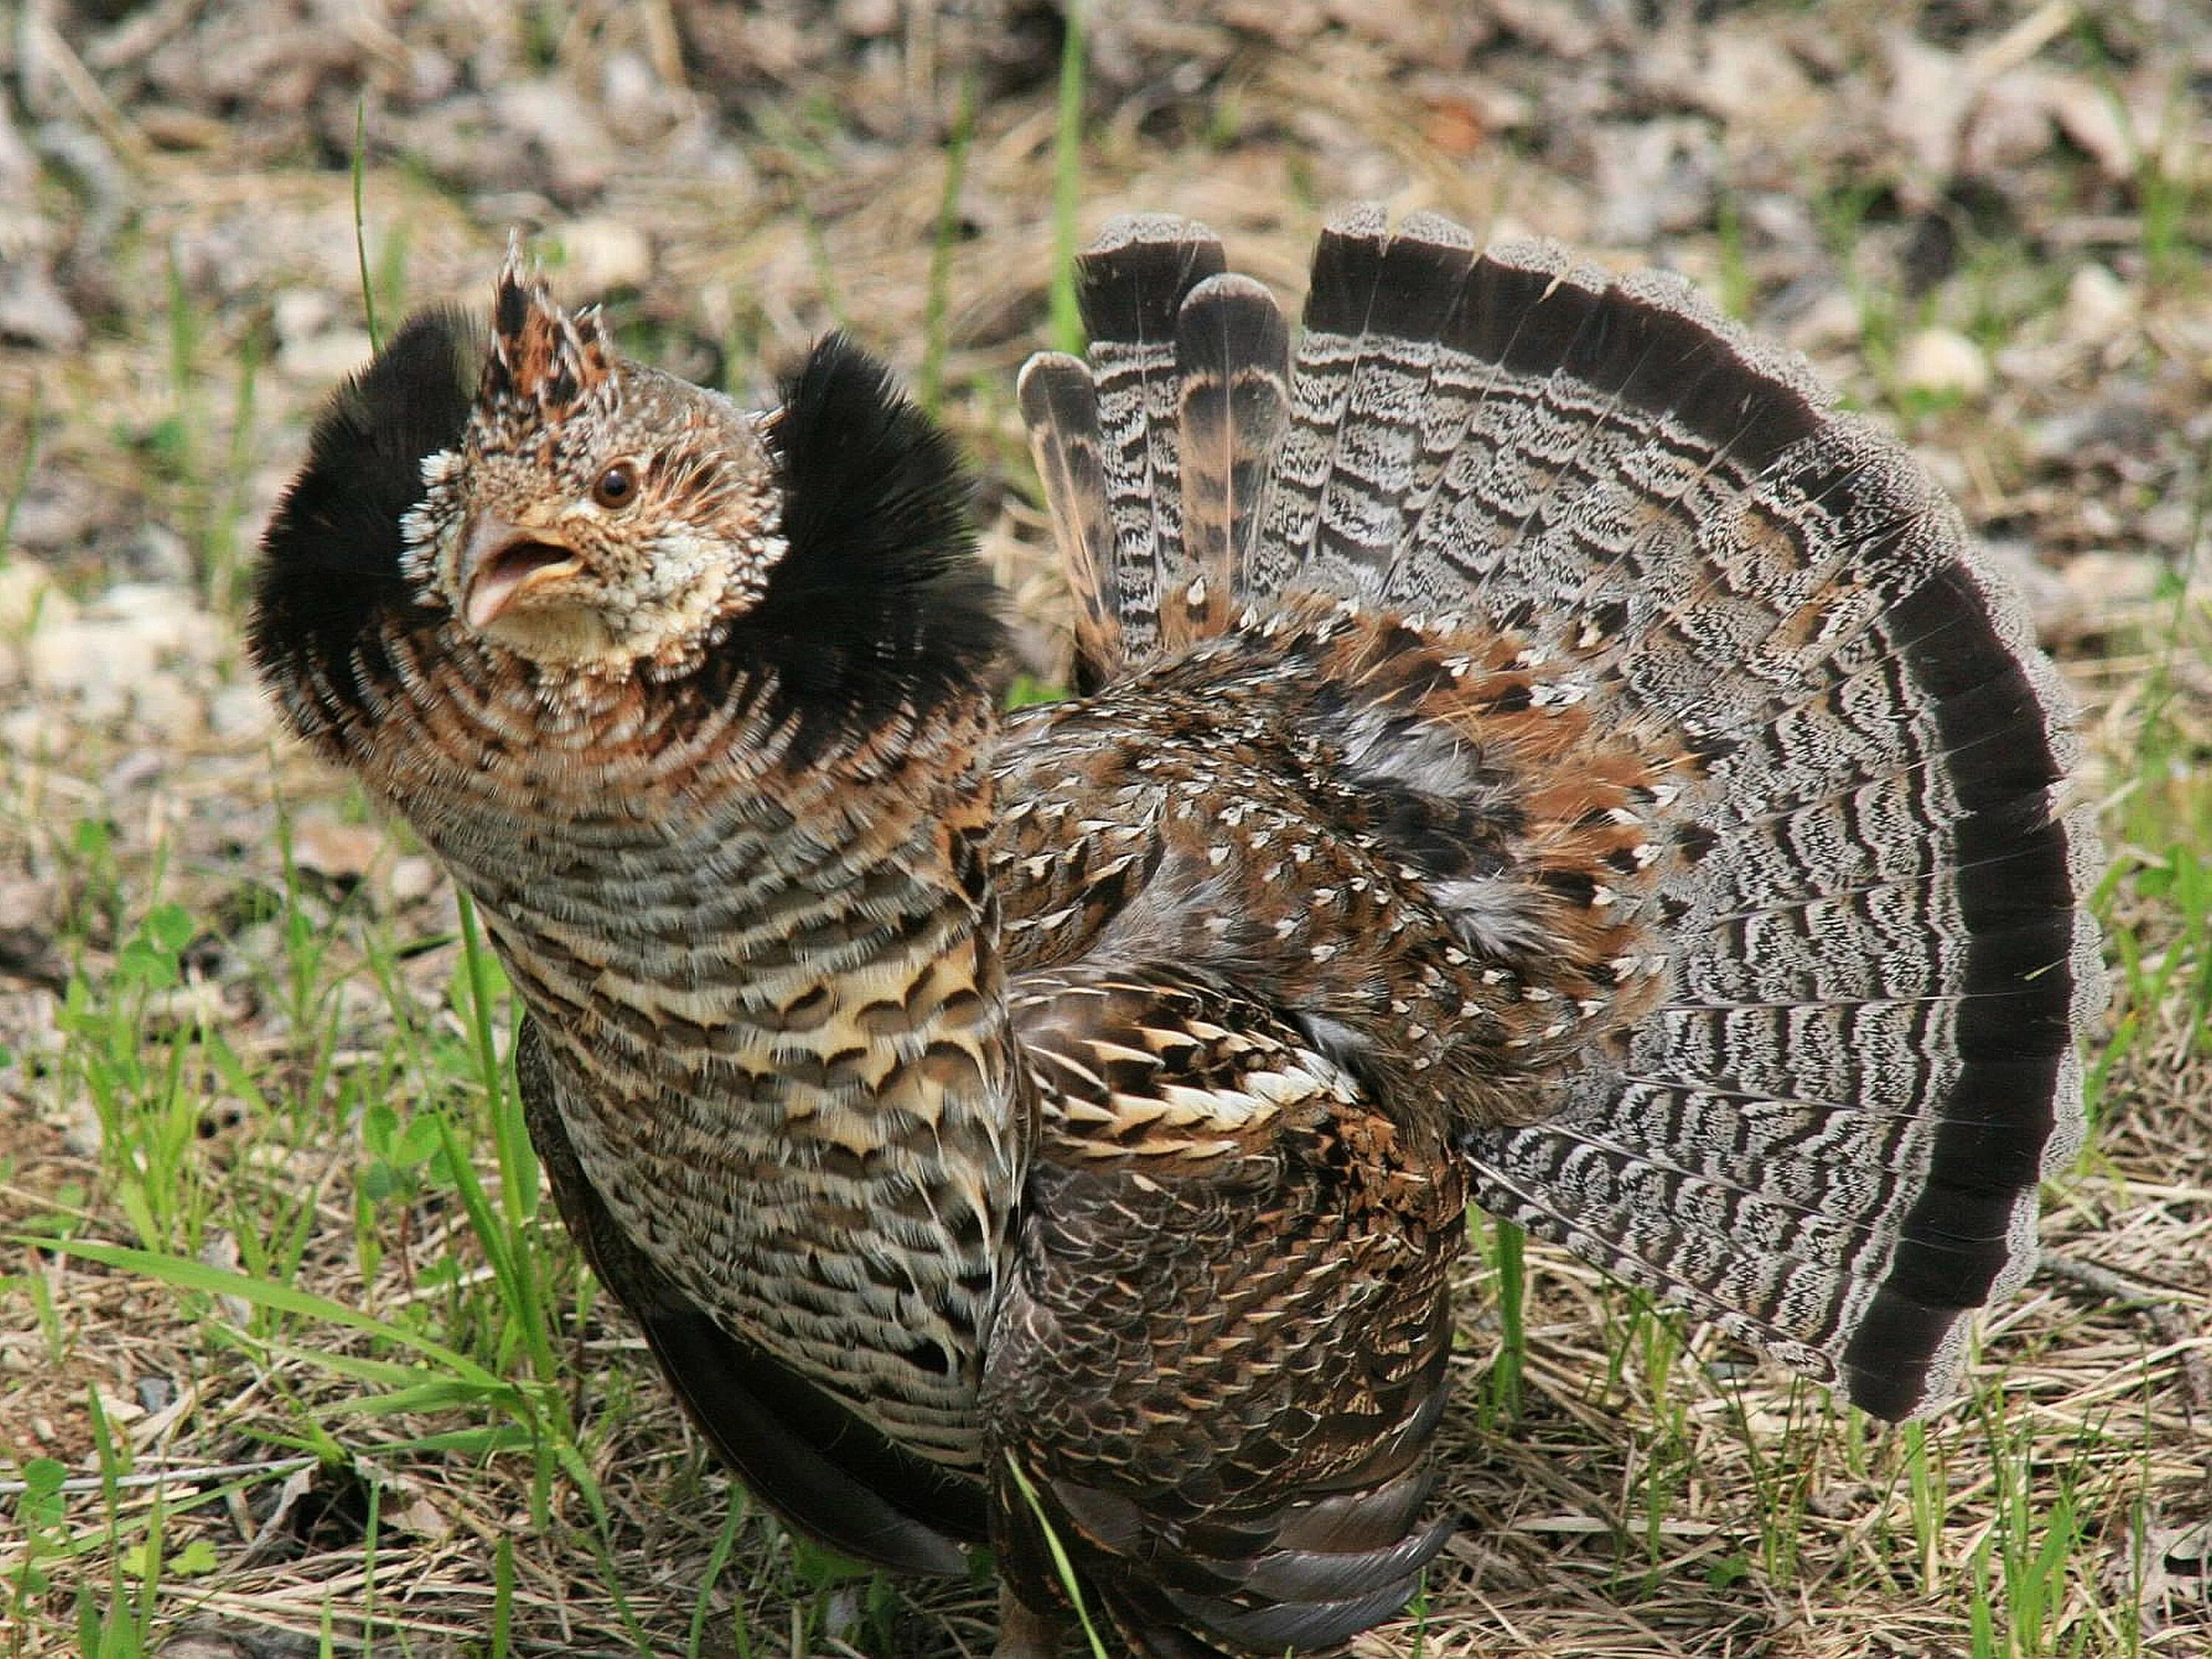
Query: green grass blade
column 360, row 230
column 929, row 380
column 184, row 1275
column 1067, row 183
column 21, row 486
column 1060, row 1563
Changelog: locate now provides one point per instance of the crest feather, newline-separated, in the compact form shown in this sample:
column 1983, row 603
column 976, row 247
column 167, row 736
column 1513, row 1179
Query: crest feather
column 542, row 356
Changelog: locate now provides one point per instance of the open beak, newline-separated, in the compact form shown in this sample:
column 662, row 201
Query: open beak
column 501, row 562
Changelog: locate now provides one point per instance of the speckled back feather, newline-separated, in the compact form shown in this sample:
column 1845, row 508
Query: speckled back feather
column 1827, row 1134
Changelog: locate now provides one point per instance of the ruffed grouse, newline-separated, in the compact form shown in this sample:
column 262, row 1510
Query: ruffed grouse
column 1531, row 753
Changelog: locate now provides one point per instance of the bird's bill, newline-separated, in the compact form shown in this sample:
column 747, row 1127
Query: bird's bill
column 502, row 562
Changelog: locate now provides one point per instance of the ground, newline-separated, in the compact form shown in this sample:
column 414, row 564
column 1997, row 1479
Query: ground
column 317, row 1369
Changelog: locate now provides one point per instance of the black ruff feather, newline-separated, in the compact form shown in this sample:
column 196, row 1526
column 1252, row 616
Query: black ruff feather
column 879, row 603
column 330, row 561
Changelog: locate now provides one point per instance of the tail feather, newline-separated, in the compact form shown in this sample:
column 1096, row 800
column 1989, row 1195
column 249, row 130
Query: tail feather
column 1061, row 406
column 1232, row 350
column 1629, row 1217
column 1131, row 284
column 1366, row 411
column 1827, row 1134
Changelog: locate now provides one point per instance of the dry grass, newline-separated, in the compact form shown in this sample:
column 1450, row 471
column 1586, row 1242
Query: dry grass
column 237, row 1014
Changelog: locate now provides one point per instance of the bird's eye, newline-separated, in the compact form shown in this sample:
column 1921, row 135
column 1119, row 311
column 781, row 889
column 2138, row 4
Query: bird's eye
column 618, row 486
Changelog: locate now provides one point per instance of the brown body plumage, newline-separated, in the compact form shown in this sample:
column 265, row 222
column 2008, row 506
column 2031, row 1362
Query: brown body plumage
column 1536, row 756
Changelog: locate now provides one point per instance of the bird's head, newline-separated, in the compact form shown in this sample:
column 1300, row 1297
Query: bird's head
column 527, row 498
column 597, row 513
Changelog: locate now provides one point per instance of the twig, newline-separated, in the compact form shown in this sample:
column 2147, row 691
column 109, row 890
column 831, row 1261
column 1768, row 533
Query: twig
column 48, row 50
column 2166, row 1317
column 163, row 1477
column 135, row 39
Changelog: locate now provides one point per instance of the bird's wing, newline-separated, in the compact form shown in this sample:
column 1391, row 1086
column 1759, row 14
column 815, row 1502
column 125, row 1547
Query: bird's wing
column 1220, row 1358
column 800, row 1453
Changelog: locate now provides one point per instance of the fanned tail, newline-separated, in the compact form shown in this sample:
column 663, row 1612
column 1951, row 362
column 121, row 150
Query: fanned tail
column 1827, row 1135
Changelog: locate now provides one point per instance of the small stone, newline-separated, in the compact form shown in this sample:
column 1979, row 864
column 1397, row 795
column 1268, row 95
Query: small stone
column 58, row 515
column 1784, row 220
column 32, row 312
column 2116, row 136
column 158, row 554
column 2098, row 519
column 1945, row 465
column 1652, row 177
column 2053, row 608
column 840, row 1611
column 239, row 713
column 1749, row 78
column 430, row 75
column 137, row 601
column 324, row 358
column 27, row 595
column 118, row 1408
column 1842, row 1503
column 603, row 254
column 1570, row 32
column 1930, row 92
column 95, row 663
column 219, row 1250
column 414, row 879
column 2125, row 420
column 35, row 729
column 869, row 20
column 1942, row 361
column 336, row 851
column 363, row 1007
column 206, row 1644
column 577, row 156
column 638, row 105
column 2009, row 126
column 301, row 313
column 161, row 620
column 405, row 1505
column 257, row 941
column 2099, row 307
column 164, row 705
column 195, row 1006
column 83, row 1135
column 2170, row 526
column 2188, row 1549
column 2106, row 582
column 1832, row 322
